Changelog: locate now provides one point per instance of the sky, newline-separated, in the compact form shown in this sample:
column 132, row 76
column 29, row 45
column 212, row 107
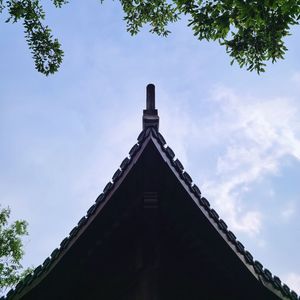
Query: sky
column 63, row 136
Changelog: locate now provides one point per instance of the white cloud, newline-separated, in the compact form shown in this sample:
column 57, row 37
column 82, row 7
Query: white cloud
column 226, row 198
column 293, row 281
column 256, row 135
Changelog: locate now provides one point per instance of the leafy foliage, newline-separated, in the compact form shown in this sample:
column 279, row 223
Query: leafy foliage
column 252, row 31
column 46, row 51
column 11, row 250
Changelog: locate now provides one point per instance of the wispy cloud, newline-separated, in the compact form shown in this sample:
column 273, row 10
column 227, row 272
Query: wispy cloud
column 256, row 134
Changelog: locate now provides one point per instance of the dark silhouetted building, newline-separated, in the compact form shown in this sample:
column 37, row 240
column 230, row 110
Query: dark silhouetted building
column 151, row 236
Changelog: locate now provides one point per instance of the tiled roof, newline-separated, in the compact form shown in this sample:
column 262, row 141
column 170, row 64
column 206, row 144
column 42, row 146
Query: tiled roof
column 262, row 274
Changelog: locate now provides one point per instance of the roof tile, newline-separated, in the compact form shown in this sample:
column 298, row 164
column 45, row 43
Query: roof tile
column 248, row 257
column 188, row 179
column 73, row 232
column 117, row 175
column 231, row 236
column 286, row 290
column 294, row 295
column 46, row 262
column 100, row 198
column 134, row 150
column 268, row 275
column 63, row 244
column 179, row 165
column 196, row 190
column 83, row 220
column 161, row 139
column 37, row 271
column 223, row 225
column 240, row 247
column 141, row 136
column 204, row 202
column 170, row 153
column 56, row 251
column 107, row 187
column 277, row 282
column 258, row 267
column 90, row 211
column 124, row 163
column 214, row 214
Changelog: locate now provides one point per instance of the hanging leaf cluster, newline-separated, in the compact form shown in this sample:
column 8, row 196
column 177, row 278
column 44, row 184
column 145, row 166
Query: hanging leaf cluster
column 45, row 49
column 252, row 31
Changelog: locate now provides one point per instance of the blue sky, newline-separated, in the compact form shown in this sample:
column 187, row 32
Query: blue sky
column 62, row 137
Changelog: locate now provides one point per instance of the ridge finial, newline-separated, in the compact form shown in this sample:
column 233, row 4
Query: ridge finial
column 150, row 98
column 150, row 115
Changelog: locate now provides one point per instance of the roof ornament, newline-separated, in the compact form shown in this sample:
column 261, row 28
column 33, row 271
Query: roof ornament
column 150, row 115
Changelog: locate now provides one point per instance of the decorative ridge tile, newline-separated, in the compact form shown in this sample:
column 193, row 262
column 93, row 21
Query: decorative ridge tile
column 196, row 190
column 134, row 150
column 124, row 163
column 161, row 139
column 108, row 187
column 178, row 165
column 91, row 211
column 188, row 179
column 117, row 175
column 204, row 202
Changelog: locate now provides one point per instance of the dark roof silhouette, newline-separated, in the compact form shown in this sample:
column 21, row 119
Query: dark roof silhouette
column 150, row 139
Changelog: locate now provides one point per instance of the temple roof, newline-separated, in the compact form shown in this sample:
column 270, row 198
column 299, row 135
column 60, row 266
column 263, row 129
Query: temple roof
column 151, row 134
